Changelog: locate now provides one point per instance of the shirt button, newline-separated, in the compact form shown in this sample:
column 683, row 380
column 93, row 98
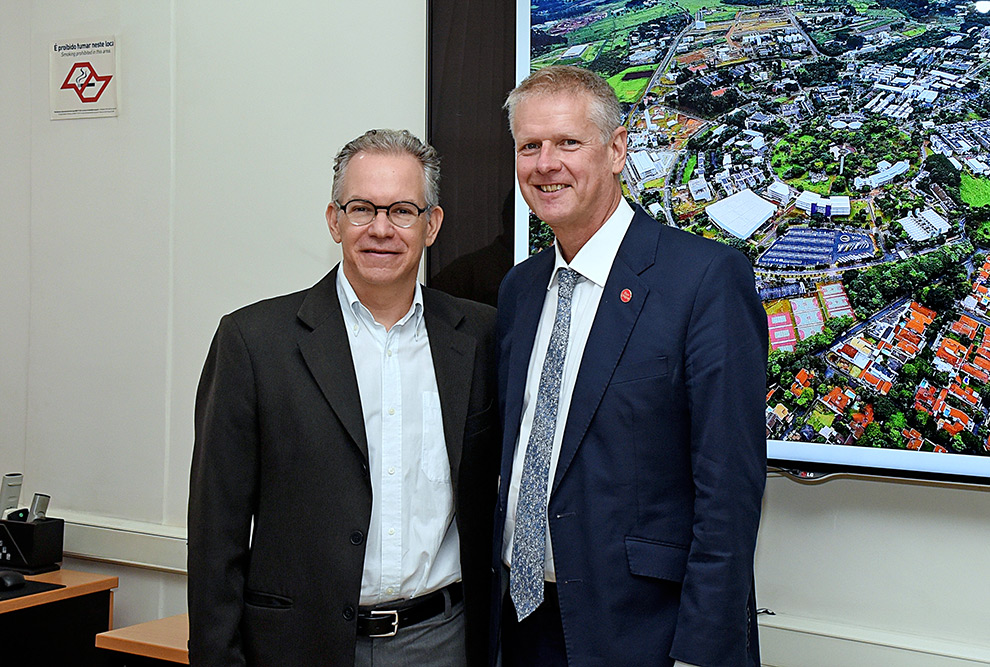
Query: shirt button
column 389, row 590
column 391, row 471
column 391, row 531
column 389, row 353
column 356, row 328
column 391, row 411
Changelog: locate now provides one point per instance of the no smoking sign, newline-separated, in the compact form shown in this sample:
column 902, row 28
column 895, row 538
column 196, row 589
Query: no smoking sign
column 83, row 78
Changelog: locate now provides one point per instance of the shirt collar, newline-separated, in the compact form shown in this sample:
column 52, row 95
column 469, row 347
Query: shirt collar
column 594, row 260
column 346, row 294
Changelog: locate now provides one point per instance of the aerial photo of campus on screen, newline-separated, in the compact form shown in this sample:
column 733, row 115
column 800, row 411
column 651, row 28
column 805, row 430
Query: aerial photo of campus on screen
column 844, row 147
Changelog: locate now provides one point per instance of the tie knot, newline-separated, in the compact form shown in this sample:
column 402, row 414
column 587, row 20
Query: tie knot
column 566, row 279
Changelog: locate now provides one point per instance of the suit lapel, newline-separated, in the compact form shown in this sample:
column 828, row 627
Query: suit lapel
column 453, row 363
column 526, row 312
column 613, row 323
column 327, row 353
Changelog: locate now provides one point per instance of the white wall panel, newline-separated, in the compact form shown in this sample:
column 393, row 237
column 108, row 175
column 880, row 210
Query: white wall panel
column 15, row 229
column 891, row 558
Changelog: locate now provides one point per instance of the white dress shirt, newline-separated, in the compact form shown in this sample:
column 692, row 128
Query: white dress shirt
column 593, row 262
column 412, row 545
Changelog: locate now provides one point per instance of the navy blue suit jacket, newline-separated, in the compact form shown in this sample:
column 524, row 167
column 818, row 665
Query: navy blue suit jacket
column 656, row 499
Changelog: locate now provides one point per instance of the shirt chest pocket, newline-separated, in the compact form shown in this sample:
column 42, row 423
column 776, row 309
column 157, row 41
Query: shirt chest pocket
column 433, row 458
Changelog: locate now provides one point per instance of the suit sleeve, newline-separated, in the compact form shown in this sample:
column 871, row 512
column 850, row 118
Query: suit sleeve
column 223, row 493
column 725, row 378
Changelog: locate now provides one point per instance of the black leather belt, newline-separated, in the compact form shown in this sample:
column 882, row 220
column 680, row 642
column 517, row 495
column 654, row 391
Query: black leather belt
column 388, row 619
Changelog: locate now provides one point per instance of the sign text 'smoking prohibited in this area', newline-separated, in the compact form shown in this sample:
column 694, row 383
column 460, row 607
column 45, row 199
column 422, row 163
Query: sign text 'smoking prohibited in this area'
column 83, row 78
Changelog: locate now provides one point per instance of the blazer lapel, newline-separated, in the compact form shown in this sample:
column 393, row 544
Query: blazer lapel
column 613, row 323
column 327, row 353
column 523, row 333
column 453, row 363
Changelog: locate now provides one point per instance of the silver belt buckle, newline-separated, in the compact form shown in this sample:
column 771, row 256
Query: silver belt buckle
column 395, row 621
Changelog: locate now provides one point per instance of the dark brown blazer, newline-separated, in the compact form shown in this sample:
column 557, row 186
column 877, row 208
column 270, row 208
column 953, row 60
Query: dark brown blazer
column 280, row 444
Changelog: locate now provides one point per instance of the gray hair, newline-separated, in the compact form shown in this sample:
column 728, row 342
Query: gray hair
column 604, row 109
column 391, row 142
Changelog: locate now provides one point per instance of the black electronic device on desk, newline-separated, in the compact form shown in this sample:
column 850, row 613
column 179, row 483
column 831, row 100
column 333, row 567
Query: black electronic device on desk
column 10, row 580
column 30, row 542
column 31, row 547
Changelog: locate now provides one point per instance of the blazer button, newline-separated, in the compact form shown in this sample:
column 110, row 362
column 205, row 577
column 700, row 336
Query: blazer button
column 348, row 613
column 357, row 538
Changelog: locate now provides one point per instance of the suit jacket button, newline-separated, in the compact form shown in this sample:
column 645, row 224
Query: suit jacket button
column 357, row 537
column 348, row 613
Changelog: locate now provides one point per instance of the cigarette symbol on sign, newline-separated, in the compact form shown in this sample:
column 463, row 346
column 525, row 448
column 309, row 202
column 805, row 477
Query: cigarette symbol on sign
column 81, row 78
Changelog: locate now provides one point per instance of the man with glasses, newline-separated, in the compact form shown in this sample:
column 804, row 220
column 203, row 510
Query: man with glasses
column 346, row 449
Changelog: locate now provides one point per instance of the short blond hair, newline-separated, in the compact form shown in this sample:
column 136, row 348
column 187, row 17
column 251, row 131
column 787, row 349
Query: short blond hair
column 603, row 105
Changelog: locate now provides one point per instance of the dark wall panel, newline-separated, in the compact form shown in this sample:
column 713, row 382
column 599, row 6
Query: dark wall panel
column 471, row 69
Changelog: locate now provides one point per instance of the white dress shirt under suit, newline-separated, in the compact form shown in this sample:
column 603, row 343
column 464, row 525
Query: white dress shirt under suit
column 593, row 262
column 412, row 546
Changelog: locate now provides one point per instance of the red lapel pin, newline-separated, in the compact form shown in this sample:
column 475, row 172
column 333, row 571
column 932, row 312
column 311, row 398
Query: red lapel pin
column 625, row 295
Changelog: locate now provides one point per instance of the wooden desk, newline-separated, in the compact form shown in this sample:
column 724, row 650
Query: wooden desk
column 58, row 627
column 163, row 641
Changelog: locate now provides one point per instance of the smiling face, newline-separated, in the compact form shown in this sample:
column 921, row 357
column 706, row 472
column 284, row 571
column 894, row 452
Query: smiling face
column 566, row 173
column 380, row 259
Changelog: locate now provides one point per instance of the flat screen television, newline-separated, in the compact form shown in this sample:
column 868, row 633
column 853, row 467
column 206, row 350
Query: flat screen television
column 844, row 147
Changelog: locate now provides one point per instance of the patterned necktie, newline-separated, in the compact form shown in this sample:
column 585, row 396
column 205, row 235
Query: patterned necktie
column 529, row 537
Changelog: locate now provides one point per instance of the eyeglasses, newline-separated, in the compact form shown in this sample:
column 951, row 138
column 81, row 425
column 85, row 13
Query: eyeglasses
column 361, row 212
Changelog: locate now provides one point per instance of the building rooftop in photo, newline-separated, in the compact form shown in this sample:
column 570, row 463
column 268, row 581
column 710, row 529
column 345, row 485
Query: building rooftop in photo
column 742, row 213
column 837, row 205
column 780, row 188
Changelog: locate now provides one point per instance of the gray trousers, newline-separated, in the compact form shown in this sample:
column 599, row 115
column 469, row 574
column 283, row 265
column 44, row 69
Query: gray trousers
column 438, row 642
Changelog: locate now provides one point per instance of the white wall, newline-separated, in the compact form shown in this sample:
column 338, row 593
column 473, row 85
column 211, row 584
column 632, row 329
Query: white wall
column 15, row 223
column 874, row 573
column 125, row 239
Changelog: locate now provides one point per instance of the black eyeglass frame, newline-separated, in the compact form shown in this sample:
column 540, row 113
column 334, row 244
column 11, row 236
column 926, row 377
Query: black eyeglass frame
column 419, row 211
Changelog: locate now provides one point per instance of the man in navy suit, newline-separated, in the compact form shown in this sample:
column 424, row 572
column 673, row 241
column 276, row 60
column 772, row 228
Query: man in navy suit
column 632, row 374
